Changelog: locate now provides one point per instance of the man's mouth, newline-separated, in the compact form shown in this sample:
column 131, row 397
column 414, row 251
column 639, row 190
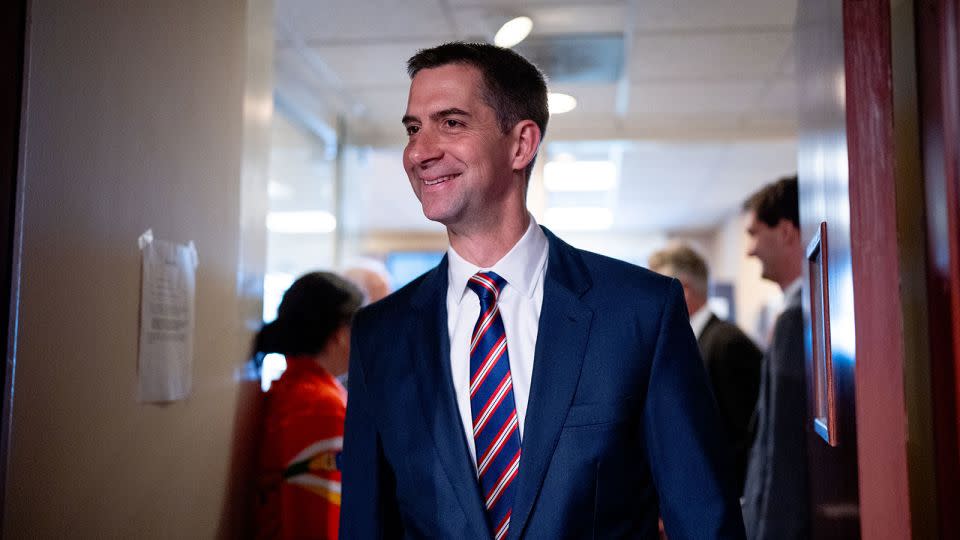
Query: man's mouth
column 439, row 179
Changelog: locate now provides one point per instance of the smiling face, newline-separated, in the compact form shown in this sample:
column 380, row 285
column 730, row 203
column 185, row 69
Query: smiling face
column 762, row 244
column 777, row 248
column 461, row 166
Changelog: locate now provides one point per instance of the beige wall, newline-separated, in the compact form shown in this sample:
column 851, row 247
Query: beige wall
column 135, row 120
column 729, row 262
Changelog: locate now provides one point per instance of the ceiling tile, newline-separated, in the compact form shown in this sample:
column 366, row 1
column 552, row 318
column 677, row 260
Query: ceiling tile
column 339, row 21
column 591, row 98
column 371, row 66
column 779, row 95
column 661, row 15
column 694, row 97
column 548, row 18
column 707, row 180
column 725, row 56
column 700, row 70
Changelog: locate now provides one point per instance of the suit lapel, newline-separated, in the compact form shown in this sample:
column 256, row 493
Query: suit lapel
column 431, row 350
column 561, row 342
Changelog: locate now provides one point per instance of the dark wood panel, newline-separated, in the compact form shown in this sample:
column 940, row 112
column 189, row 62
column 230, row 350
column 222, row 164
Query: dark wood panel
column 938, row 61
column 12, row 46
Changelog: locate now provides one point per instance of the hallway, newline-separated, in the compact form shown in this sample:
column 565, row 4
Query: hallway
column 200, row 121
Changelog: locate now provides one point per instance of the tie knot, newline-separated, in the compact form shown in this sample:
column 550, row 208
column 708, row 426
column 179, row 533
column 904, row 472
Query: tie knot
column 487, row 285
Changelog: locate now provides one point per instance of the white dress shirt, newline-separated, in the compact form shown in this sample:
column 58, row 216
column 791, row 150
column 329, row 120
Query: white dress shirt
column 523, row 268
column 699, row 319
column 793, row 288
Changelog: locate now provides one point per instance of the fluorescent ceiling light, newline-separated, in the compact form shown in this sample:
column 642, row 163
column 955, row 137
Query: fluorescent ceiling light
column 585, row 218
column 560, row 103
column 513, row 31
column 308, row 222
column 580, row 176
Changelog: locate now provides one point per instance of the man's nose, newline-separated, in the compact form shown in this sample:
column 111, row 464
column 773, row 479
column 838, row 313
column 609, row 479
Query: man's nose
column 424, row 148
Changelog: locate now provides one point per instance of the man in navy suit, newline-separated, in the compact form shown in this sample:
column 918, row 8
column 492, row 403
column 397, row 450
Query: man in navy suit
column 522, row 388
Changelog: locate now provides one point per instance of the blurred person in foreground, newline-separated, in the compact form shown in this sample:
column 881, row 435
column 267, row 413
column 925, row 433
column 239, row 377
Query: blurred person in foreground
column 731, row 358
column 775, row 498
column 522, row 387
column 299, row 467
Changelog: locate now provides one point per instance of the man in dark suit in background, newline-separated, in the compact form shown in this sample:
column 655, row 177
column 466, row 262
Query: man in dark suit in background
column 522, row 388
column 732, row 360
column 776, row 500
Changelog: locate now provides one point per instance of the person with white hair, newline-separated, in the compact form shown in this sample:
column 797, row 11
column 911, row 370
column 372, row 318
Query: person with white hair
column 370, row 276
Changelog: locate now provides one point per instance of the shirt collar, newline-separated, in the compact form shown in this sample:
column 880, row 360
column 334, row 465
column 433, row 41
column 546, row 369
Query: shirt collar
column 792, row 289
column 521, row 267
column 699, row 319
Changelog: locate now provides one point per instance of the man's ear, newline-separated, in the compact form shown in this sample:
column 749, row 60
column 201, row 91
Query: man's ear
column 526, row 137
column 788, row 232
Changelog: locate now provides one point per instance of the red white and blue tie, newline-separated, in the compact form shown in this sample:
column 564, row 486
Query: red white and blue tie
column 495, row 427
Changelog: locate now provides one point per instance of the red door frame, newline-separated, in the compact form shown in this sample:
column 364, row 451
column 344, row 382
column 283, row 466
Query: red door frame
column 907, row 309
column 884, row 496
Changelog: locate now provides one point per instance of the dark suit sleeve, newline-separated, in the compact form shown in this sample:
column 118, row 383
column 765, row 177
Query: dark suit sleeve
column 737, row 378
column 685, row 445
column 734, row 368
column 785, row 506
column 368, row 507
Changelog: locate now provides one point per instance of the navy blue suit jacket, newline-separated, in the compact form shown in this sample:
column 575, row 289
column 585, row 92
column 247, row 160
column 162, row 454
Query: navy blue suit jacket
column 620, row 424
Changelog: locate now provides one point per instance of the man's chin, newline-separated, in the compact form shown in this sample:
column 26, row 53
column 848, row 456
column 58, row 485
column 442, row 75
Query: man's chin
column 440, row 217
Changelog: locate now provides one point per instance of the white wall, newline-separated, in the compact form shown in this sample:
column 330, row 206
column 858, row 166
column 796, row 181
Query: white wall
column 135, row 120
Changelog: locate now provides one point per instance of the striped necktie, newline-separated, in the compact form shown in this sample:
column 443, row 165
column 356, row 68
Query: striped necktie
column 495, row 426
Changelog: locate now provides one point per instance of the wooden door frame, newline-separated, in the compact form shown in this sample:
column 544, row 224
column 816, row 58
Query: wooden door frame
column 894, row 406
column 13, row 26
column 938, row 59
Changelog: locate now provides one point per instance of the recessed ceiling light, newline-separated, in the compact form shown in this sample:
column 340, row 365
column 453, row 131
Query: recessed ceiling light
column 513, row 31
column 580, row 176
column 560, row 103
column 309, row 222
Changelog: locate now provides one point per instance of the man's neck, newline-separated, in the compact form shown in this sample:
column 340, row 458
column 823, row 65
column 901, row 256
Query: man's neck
column 485, row 247
column 787, row 279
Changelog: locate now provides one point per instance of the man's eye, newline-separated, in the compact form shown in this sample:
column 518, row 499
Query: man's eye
column 452, row 123
column 412, row 130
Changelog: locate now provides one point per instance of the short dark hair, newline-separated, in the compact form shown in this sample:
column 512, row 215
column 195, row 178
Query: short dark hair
column 312, row 309
column 512, row 86
column 775, row 201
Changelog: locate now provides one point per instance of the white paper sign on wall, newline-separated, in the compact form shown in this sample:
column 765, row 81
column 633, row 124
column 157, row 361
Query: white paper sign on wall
column 167, row 298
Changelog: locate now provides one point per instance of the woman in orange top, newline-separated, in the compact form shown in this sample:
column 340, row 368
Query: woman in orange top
column 299, row 480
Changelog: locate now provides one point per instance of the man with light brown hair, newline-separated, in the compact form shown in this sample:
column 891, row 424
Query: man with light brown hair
column 731, row 359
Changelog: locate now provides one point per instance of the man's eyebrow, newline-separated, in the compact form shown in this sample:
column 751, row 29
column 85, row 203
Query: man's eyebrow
column 452, row 111
column 439, row 115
